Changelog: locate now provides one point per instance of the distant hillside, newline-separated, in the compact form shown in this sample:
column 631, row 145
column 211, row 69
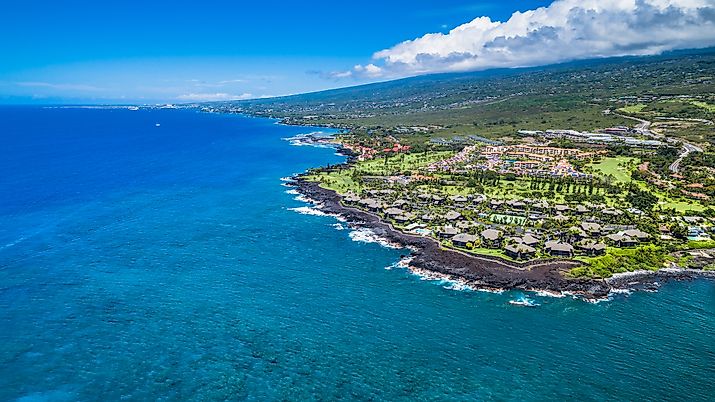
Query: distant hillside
column 496, row 102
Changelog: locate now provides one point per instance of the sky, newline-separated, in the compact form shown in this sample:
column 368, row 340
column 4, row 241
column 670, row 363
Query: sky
column 185, row 51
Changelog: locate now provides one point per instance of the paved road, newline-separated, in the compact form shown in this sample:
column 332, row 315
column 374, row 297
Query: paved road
column 687, row 150
column 643, row 128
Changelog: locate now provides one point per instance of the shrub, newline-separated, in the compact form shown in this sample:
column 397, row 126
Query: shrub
column 648, row 257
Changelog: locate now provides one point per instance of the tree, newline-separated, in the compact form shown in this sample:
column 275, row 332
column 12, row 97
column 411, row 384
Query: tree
column 641, row 199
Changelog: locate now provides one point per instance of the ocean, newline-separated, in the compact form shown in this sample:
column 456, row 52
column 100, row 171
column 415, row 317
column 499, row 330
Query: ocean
column 145, row 262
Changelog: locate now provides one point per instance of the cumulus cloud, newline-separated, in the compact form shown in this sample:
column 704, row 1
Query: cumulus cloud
column 209, row 97
column 565, row 30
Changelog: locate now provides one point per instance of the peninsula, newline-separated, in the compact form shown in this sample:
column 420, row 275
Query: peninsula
column 504, row 181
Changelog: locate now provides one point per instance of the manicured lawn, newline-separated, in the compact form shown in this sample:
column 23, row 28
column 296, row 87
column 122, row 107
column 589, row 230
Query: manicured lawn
column 343, row 182
column 681, row 205
column 401, row 162
column 487, row 252
column 618, row 167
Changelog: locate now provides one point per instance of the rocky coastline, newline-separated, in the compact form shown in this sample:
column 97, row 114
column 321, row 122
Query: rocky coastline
column 475, row 271
column 482, row 272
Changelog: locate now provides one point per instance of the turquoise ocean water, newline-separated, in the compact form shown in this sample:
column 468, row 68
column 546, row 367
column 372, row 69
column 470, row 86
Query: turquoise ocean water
column 167, row 263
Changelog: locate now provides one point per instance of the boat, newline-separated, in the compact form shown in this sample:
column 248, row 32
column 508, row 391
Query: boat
column 133, row 108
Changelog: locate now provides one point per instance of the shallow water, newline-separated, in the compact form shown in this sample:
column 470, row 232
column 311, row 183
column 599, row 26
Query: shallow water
column 165, row 263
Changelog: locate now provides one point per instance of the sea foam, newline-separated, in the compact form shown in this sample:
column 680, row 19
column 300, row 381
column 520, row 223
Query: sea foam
column 308, row 211
column 365, row 235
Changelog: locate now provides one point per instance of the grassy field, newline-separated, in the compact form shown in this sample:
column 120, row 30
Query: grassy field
column 401, row 163
column 619, row 167
column 710, row 108
column 647, row 257
column 679, row 205
column 632, row 109
column 344, row 181
column 486, row 252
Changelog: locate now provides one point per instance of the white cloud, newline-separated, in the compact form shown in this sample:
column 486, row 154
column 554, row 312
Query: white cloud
column 565, row 30
column 209, row 97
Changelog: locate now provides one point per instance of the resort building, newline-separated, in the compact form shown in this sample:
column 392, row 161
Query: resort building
column 491, row 237
column 463, row 239
column 558, row 249
column 519, row 251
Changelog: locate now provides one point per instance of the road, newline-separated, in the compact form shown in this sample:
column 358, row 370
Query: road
column 643, row 128
column 687, row 150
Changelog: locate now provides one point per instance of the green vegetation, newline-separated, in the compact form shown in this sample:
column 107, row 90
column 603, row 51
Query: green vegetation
column 401, row 163
column 641, row 199
column 647, row 257
column 497, row 103
column 700, row 244
column 631, row 188
column 508, row 219
column 618, row 168
column 710, row 108
column 482, row 251
column 621, row 170
column 633, row 109
column 681, row 206
column 343, row 180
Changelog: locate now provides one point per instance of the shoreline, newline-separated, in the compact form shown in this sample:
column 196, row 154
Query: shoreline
column 428, row 259
column 485, row 273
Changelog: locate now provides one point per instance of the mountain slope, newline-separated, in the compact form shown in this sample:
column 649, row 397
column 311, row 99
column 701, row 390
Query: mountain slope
column 496, row 102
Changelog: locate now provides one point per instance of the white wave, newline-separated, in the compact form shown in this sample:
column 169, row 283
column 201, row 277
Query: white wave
column 581, row 297
column 524, row 302
column 596, row 301
column 302, row 198
column 308, row 140
column 549, row 293
column 338, row 226
column 403, row 263
column 308, row 211
column 630, row 275
column 489, row 290
column 446, row 281
column 314, row 210
column 366, row 235
column 292, row 192
column 458, row 286
column 619, row 291
column 296, row 143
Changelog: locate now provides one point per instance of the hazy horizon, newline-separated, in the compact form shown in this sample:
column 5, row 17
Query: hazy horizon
column 80, row 52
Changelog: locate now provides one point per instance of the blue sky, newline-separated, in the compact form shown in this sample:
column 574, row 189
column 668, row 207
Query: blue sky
column 174, row 51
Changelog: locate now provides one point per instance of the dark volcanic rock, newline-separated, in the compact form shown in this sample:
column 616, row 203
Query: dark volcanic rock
column 479, row 271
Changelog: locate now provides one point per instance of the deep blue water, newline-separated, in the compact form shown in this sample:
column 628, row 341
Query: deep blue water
column 163, row 263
